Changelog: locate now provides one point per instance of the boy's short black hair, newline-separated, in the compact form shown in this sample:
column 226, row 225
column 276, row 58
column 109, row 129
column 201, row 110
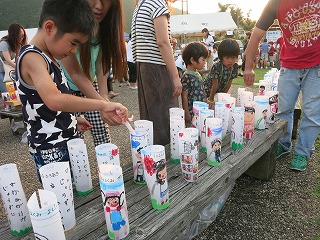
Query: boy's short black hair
column 194, row 50
column 69, row 16
column 228, row 48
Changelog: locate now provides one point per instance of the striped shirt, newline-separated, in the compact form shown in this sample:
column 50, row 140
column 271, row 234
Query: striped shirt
column 144, row 43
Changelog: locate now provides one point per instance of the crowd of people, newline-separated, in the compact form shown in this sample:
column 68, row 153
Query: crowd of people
column 86, row 48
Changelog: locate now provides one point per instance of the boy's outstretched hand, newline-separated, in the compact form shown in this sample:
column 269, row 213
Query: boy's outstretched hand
column 114, row 113
column 82, row 124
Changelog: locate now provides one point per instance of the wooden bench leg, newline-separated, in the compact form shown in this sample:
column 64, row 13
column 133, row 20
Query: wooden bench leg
column 265, row 166
column 296, row 119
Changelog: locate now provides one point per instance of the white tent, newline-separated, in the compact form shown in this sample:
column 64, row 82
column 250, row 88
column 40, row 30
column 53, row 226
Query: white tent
column 192, row 23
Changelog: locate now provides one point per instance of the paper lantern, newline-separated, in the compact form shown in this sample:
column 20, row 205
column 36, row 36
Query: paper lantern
column 221, row 97
column 261, row 106
column 273, row 105
column 204, row 114
column 114, row 200
column 176, row 124
column 197, row 106
column 80, row 166
column 138, row 142
column 248, row 127
column 189, row 153
column 176, row 112
column 155, row 172
column 237, row 127
column 107, row 153
column 147, row 126
column 45, row 218
column 14, row 200
column 214, row 140
column 56, row 177
column 222, row 111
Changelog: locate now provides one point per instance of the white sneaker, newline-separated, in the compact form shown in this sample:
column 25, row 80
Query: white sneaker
column 133, row 87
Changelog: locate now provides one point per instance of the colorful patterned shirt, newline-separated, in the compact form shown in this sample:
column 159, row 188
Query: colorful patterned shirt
column 192, row 83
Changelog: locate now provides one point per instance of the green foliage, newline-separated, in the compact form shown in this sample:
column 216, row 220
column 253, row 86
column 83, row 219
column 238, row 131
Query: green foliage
column 27, row 12
column 18, row 11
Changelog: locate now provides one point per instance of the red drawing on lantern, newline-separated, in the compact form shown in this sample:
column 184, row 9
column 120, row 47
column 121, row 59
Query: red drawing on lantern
column 148, row 163
column 114, row 152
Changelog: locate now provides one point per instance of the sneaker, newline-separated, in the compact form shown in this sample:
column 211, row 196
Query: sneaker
column 135, row 87
column 299, row 162
column 281, row 151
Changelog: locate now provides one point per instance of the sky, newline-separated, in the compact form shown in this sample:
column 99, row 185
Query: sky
column 208, row 6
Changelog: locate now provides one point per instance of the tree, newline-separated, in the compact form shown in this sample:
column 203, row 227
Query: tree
column 237, row 15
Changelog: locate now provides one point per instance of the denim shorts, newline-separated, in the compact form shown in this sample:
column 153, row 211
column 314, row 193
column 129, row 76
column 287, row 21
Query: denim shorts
column 44, row 157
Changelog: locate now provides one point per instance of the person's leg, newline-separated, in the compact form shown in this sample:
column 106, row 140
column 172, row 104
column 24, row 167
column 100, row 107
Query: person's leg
column 288, row 87
column 210, row 61
column 132, row 75
column 155, row 99
column 100, row 130
column 310, row 122
column 3, row 87
column 111, row 93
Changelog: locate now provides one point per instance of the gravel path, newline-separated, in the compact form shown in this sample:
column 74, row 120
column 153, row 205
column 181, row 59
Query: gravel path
column 282, row 208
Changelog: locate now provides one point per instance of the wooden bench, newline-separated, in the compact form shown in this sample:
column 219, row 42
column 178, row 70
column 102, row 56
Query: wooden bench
column 257, row 158
column 13, row 114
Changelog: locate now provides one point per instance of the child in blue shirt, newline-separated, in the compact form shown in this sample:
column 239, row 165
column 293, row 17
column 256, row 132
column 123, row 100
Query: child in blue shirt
column 194, row 55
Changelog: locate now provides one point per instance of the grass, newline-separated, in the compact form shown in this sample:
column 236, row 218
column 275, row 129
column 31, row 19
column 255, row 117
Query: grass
column 259, row 76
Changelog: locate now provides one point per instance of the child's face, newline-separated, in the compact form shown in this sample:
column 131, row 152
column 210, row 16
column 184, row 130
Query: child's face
column 62, row 46
column 200, row 64
column 229, row 61
column 100, row 8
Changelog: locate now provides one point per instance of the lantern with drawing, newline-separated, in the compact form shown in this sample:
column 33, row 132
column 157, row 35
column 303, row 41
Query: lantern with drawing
column 155, row 172
column 107, row 153
column 176, row 124
column 237, row 127
column 114, row 200
column 214, row 140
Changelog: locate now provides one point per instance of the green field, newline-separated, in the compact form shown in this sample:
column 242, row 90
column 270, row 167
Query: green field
column 259, row 76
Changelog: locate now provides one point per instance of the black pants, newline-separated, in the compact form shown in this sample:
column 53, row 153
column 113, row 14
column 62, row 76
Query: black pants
column 132, row 72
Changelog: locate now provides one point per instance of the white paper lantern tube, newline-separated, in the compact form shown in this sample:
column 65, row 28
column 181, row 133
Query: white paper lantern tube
column 107, row 153
column 155, row 172
column 114, row 200
column 14, row 200
column 237, row 127
column 56, row 177
column 80, row 166
column 46, row 218
column 176, row 124
column 248, row 127
column 221, row 97
column 147, row 126
column 273, row 105
column 197, row 106
column 176, row 112
column 138, row 142
column 204, row 113
column 214, row 140
column 232, row 101
column 246, row 99
column 261, row 106
column 222, row 111
column 240, row 91
column 189, row 153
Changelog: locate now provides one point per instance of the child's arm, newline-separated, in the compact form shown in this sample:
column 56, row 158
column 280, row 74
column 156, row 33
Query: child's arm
column 226, row 89
column 210, row 98
column 185, row 106
column 83, row 125
column 75, row 72
column 34, row 72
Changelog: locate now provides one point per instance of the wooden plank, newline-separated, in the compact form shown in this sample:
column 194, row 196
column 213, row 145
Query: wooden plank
column 185, row 203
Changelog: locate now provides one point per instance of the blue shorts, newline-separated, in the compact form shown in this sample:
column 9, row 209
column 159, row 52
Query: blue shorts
column 44, row 157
